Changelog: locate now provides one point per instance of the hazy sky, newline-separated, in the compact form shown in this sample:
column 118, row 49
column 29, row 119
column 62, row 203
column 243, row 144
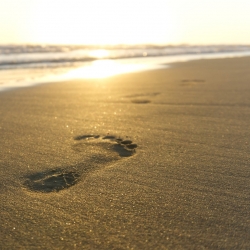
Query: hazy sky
column 125, row 21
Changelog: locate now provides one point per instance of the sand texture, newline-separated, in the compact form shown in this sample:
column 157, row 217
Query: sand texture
column 149, row 160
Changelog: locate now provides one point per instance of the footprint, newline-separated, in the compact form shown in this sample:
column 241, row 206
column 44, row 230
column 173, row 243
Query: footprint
column 142, row 98
column 124, row 148
column 140, row 101
column 98, row 152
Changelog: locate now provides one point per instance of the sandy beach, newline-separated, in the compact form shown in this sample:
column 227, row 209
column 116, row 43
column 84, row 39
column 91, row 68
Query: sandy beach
column 148, row 160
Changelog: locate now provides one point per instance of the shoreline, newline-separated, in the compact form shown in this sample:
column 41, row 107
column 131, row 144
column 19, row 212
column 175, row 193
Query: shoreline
column 18, row 78
column 146, row 160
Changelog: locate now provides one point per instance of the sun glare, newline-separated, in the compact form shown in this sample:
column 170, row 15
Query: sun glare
column 124, row 22
column 101, row 22
column 100, row 53
column 102, row 69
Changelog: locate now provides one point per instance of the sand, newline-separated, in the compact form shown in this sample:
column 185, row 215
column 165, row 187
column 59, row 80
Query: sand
column 148, row 160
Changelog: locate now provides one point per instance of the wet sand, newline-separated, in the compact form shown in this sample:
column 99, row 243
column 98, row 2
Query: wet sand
column 149, row 160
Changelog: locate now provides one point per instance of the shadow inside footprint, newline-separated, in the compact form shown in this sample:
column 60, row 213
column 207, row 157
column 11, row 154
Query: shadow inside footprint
column 109, row 137
column 140, row 101
column 51, row 181
column 82, row 137
column 126, row 142
column 122, row 151
column 131, row 146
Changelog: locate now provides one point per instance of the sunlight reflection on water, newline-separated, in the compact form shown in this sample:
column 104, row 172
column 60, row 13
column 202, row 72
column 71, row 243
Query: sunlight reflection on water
column 105, row 68
column 99, row 53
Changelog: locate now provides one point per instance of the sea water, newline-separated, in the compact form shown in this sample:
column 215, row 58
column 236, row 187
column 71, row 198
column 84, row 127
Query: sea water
column 25, row 65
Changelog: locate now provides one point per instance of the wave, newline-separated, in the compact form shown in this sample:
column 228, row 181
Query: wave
column 36, row 56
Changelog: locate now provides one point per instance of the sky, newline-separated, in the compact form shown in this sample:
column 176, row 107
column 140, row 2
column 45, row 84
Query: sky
column 124, row 22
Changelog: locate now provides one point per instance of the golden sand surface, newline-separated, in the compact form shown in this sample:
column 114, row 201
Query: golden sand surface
column 149, row 160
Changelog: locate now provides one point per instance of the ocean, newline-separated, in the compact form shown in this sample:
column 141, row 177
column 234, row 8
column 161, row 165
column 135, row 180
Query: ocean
column 26, row 65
